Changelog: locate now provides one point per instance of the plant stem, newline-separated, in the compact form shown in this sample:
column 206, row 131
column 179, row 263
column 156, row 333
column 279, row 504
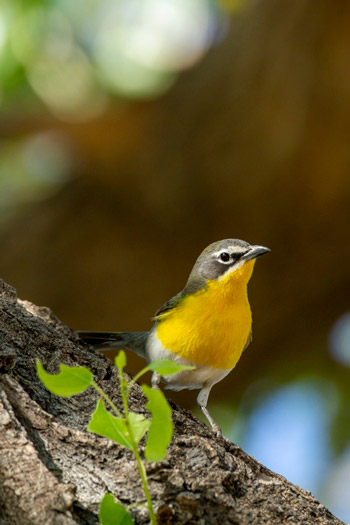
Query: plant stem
column 136, row 378
column 140, row 465
column 124, row 395
column 106, row 398
column 143, row 476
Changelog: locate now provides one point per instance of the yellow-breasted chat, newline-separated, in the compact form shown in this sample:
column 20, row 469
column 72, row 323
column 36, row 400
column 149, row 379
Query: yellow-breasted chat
column 207, row 325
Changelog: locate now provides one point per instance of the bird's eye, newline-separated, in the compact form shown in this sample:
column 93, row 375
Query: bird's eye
column 224, row 256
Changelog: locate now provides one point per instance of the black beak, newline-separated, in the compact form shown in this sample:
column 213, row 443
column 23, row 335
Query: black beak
column 254, row 252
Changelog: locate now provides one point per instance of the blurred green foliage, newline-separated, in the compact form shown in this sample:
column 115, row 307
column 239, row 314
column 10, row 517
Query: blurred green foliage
column 31, row 168
column 72, row 55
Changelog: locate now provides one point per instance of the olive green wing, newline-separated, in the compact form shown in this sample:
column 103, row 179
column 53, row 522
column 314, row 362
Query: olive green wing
column 194, row 284
column 169, row 305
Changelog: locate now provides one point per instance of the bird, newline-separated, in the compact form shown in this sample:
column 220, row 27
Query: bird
column 207, row 325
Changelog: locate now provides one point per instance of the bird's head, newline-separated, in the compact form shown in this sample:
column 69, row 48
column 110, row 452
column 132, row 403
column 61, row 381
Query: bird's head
column 228, row 257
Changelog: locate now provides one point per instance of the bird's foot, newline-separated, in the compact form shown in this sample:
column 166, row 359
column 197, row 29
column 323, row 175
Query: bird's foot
column 217, row 430
column 155, row 381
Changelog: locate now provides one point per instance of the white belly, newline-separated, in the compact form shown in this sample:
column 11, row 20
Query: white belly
column 197, row 378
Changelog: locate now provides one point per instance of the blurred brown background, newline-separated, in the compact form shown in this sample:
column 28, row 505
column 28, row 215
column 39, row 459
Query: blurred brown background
column 112, row 181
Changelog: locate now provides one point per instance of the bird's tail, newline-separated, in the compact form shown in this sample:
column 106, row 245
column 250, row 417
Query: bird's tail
column 135, row 341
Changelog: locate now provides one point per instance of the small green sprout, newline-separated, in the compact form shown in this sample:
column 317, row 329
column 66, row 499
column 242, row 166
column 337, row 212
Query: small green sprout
column 126, row 430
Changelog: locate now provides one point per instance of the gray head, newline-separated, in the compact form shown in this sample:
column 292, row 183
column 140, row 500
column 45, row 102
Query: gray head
column 222, row 257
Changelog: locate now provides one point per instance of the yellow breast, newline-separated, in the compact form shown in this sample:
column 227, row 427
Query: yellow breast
column 212, row 326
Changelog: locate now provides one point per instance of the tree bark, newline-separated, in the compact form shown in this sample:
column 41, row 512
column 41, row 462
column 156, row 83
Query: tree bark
column 52, row 471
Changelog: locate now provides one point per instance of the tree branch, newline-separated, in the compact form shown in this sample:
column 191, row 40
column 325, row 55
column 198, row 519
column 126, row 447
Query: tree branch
column 54, row 472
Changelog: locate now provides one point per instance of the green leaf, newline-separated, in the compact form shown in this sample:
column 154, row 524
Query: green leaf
column 111, row 427
column 112, row 513
column 166, row 367
column 161, row 429
column 120, row 360
column 139, row 426
column 71, row 380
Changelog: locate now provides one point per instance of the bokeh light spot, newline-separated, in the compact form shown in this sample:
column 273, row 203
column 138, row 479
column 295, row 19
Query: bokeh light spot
column 288, row 433
column 339, row 340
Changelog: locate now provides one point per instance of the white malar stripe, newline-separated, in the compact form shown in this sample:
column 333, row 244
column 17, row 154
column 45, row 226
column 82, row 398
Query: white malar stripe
column 233, row 268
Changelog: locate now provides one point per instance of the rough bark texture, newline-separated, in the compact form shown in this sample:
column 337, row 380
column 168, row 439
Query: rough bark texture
column 54, row 472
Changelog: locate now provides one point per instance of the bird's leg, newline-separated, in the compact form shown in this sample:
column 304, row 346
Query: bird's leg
column 155, row 380
column 202, row 400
